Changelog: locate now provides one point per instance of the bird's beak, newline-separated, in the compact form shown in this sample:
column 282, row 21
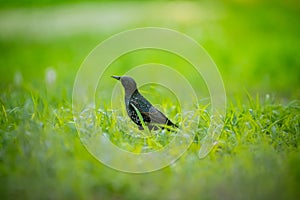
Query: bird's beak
column 116, row 77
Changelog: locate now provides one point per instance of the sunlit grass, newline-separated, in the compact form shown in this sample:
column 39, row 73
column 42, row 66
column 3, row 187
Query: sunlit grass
column 259, row 147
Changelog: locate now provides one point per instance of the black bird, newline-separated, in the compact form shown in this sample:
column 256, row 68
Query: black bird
column 152, row 117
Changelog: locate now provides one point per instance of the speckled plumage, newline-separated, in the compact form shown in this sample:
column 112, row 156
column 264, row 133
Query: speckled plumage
column 152, row 117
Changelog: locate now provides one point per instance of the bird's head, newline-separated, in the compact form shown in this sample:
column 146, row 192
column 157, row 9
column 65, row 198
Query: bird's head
column 128, row 83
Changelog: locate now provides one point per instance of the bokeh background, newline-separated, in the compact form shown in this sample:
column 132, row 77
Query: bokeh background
column 254, row 43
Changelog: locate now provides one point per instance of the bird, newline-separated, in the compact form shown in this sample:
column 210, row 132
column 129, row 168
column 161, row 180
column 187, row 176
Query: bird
column 135, row 102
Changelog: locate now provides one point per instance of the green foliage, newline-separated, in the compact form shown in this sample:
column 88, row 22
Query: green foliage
column 255, row 46
column 257, row 155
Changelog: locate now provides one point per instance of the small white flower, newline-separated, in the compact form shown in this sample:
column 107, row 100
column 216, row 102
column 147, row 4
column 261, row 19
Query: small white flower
column 50, row 76
column 18, row 78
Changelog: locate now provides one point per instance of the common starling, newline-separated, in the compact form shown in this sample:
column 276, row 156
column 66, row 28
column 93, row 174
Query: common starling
column 152, row 117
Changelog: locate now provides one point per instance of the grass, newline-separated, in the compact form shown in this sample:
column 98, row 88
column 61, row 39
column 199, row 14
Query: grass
column 256, row 157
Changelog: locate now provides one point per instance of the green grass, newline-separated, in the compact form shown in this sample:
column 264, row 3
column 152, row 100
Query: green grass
column 41, row 156
column 255, row 46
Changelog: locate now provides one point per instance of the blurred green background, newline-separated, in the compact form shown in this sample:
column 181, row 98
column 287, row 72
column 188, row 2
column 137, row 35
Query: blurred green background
column 255, row 44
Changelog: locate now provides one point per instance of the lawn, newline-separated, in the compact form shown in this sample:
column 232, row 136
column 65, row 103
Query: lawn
column 255, row 45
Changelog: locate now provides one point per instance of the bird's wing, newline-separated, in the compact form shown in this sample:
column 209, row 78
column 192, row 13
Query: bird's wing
column 156, row 116
column 148, row 112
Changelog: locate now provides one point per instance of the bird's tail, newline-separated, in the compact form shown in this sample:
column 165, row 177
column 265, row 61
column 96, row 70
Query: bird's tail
column 171, row 124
